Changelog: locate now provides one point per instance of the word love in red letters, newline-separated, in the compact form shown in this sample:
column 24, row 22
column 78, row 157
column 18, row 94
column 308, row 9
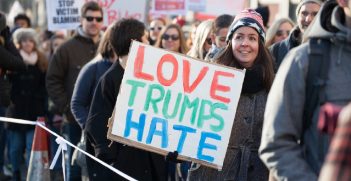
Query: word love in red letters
column 188, row 87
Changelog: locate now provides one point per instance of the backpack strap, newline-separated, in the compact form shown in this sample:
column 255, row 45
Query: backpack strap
column 317, row 75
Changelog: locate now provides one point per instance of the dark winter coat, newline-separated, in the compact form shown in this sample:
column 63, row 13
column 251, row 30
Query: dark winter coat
column 28, row 95
column 139, row 164
column 84, row 88
column 10, row 61
column 241, row 161
column 64, row 68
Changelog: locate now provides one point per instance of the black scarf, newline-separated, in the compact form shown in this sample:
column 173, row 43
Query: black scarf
column 253, row 81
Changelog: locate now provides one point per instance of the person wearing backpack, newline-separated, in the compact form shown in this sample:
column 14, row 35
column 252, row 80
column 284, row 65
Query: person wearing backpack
column 291, row 145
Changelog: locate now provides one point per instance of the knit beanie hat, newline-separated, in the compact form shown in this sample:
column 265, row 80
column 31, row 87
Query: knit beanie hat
column 2, row 21
column 22, row 34
column 302, row 2
column 250, row 18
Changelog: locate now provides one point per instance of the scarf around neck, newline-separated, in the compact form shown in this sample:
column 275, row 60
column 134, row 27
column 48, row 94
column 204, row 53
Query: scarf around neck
column 253, row 81
column 29, row 59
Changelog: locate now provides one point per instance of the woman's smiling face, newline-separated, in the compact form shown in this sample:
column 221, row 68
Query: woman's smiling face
column 245, row 45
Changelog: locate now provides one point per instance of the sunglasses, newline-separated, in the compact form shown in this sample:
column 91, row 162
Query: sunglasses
column 281, row 32
column 159, row 28
column 172, row 37
column 209, row 41
column 91, row 18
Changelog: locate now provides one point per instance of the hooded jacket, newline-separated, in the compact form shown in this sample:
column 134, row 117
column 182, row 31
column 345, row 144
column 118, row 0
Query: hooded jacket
column 281, row 147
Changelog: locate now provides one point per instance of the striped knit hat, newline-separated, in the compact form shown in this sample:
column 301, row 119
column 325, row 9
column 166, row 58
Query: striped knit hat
column 247, row 17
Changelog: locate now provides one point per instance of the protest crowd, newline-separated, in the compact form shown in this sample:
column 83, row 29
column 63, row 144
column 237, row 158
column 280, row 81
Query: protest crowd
column 278, row 104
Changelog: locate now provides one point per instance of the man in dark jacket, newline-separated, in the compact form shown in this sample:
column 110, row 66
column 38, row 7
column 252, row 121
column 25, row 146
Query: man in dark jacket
column 141, row 165
column 305, row 13
column 64, row 68
column 291, row 149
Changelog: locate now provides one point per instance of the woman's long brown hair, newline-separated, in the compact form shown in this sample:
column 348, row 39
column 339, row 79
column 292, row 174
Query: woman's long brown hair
column 263, row 60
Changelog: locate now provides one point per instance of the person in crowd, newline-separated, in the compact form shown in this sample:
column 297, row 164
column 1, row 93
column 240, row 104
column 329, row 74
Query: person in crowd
column 63, row 70
column 22, row 21
column 54, row 120
column 172, row 38
column 245, row 50
column 202, row 40
column 44, row 42
column 292, row 149
column 55, row 42
column 337, row 166
column 140, row 164
column 221, row 25
column 156, row 25
column 10, row 60
column 191, row 36
column 278, row 31
column 28, row 96
column 84, row 90
column 305, row 13
column 10, row 57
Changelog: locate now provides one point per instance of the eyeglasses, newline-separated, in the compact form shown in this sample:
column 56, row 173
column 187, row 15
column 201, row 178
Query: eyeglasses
column 282, row 32
column 159, row 28
column 91, row 18
column 209, row 41
column 167, row 37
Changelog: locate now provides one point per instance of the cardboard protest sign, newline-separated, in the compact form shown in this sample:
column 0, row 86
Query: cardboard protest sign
column 170, row 102
column 63, row 14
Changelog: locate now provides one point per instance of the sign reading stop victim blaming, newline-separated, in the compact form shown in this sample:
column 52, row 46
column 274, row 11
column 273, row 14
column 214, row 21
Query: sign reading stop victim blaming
column 170, row 102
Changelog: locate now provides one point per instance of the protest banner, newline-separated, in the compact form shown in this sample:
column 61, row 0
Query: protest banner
column 171, row 102
column 63, row 14
column 118, row 9
column 196, row 5
column 169, row 7
column 215, row 8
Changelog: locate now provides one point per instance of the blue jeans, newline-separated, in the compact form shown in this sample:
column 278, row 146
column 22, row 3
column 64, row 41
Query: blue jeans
column 19, row 141
column 72, row 133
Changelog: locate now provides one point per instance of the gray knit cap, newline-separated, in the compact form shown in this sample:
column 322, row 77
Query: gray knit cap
column 302, row 2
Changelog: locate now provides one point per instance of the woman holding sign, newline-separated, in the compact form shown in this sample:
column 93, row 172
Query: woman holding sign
column 140, row 164
column 245, row 49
